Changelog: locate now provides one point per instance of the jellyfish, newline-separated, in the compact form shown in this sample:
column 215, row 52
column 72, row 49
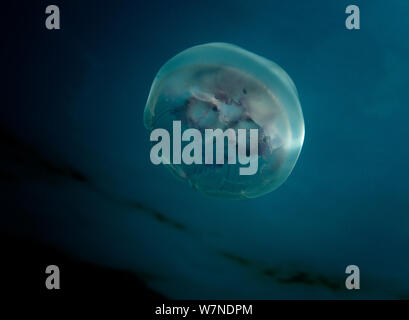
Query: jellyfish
column 222, row 86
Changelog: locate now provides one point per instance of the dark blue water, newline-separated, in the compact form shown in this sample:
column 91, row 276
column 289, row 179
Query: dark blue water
column 86, row 181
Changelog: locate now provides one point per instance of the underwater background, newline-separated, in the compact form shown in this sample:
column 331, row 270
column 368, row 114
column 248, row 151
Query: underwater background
column 75, row 173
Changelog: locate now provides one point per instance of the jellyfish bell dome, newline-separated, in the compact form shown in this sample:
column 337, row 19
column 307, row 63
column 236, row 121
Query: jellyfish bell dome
column 222, row 86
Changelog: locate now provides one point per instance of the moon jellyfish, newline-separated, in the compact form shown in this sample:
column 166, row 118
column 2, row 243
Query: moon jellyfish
column 222, row 86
